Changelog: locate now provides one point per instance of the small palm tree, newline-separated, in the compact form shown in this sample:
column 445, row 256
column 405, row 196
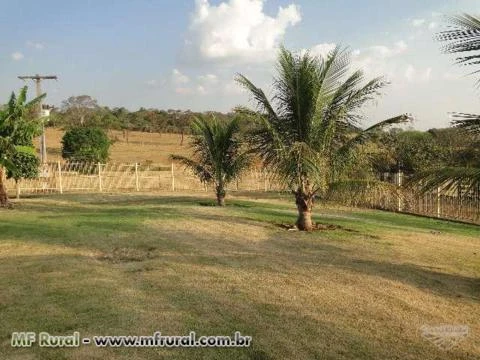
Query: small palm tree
column 308, row 130
column 16, row 128
column 217, row 157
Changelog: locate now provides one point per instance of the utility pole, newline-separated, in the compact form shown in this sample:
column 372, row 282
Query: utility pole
column 38, row 80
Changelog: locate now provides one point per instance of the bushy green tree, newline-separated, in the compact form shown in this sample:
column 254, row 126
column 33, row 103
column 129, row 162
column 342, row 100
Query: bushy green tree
column 85, row 144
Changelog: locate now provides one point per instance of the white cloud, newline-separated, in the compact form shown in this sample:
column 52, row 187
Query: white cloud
column 410, row 73
column 432, row 25
column 233, row 88
column 183, row 91
column 379, row 60
column 206, row 83
column 413, row 75
column 450, row 76
column 208, row 79
column 427, row 74
column 152, row 83
column 238, row 30
column 35, row 45
column 178, row 78
column 201, row 90
column 383, row 51
column 322, row 49
column 17, row 56
column 179, row 82
column 374, row 60
column 418, row 22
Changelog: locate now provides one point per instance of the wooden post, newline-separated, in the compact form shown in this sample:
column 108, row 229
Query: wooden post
column 137, row 184
column 173, row 179
column 439, row 210
column 100, row 185
column 60, row 184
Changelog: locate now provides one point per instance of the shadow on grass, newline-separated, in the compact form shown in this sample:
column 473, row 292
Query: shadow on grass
column 283, row 331
column 118, row 222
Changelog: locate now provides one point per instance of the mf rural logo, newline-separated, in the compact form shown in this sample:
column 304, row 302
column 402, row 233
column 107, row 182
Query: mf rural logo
column 445, row 336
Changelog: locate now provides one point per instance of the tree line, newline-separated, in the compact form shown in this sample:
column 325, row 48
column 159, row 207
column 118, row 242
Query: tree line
column 392, row 150
column 84, row 111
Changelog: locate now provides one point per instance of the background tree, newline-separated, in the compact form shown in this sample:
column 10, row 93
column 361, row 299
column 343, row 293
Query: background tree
column 410, row 151
column 217, row 157
column 85, row 144
column 305, row 135
column 77, row 109
column 17, row 129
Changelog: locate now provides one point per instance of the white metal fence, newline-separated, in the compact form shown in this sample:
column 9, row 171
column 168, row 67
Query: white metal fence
column 64, row 177
column 61, row 177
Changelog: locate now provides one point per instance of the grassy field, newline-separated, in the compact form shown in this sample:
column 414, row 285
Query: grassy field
column 132, row 265
column 141, row 146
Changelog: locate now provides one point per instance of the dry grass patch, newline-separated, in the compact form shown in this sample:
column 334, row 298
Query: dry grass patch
column 175, row 266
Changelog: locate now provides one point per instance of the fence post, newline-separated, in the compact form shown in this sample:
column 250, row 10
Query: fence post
column 100, row 185
column 17, row 188
column 265, row 180
column 173, row 179
column 137, row 184
column 60, row 184
column 399, row 184
column 439, row 210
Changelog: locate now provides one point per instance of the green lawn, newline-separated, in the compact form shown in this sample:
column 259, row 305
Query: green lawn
column 133, row 265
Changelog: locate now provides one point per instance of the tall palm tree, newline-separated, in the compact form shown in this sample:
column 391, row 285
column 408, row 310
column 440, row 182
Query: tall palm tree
column 309, row 128
column 217, row 157
column 16, row 127
column 462, row 38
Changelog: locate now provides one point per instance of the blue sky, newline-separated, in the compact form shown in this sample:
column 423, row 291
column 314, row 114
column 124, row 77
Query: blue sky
column 184, row 54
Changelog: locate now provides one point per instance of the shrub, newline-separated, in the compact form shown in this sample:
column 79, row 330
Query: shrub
column 25, row 166
column 85, row 144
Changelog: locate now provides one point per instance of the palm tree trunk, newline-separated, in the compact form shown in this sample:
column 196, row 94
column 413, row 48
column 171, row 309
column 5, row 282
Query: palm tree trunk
column 220, row 192
column 3, row 191
column 304, row 204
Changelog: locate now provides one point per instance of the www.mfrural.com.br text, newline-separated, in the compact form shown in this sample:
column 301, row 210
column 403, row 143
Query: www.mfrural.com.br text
column 44, row 339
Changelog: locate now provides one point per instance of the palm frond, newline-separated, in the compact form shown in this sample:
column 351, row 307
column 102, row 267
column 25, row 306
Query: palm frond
column 258, row 95
column 464, row 37
column 198, row 169
column 467, row 122
column 297, row 87
column 446, row 178
column 364, row 135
